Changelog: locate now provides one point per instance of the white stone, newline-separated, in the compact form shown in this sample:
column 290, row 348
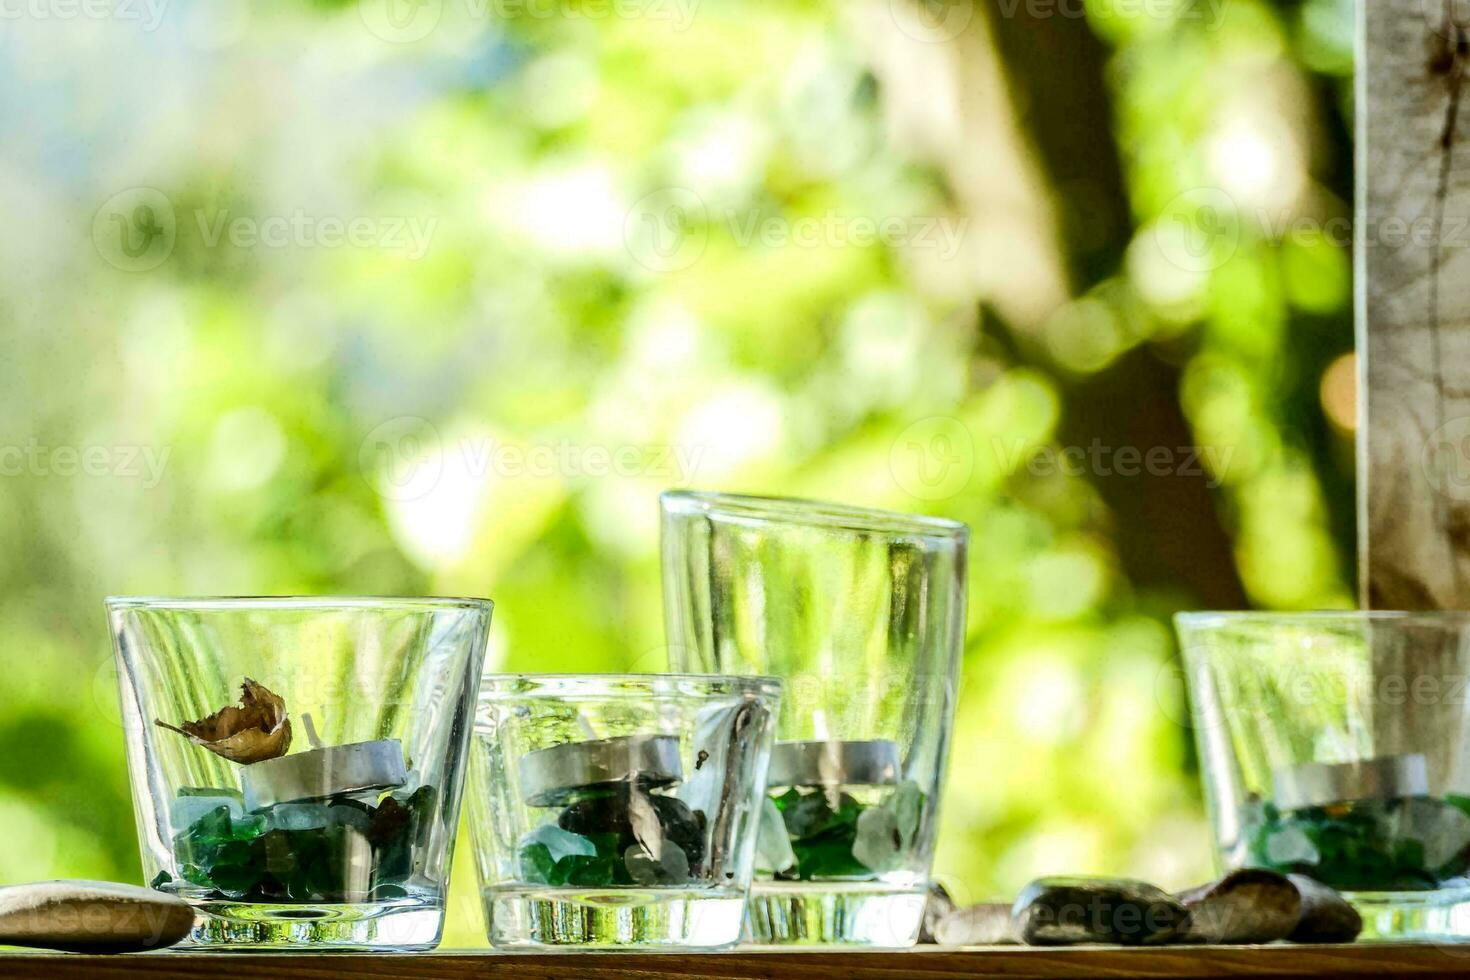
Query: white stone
column 92, row 917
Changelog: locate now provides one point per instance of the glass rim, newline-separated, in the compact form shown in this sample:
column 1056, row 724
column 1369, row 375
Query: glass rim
column 1320, row 617
column 760, row 509
column 294, row 602
column 494, row 686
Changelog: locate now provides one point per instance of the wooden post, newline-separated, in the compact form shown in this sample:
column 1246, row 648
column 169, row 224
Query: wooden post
column 1413, row 334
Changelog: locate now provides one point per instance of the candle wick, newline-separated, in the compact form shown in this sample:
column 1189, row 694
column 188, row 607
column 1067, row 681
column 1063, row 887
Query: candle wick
column 311, row 735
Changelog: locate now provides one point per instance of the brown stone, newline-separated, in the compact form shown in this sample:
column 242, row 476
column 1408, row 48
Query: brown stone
column 1326, row 916
column 1245, row 906
column 1065, row 911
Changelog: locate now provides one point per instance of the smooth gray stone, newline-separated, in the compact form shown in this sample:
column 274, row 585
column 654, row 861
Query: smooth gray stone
column 92, row 917
column 1326, row 916
column 987, row 924
column 937, row 905
column 1119, row 911
column 1245, row 906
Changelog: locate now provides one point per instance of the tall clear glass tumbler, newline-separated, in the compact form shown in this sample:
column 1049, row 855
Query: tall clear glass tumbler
column 318, row 812
column 1336, row 745
column 862, row 614
column 618, row 810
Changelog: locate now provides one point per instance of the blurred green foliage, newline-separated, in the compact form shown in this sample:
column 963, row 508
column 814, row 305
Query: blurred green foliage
column 606, row 249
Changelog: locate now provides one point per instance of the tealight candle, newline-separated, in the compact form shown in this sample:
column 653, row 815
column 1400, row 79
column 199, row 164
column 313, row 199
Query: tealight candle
column 1323, row 784
column 835, row 763
column 552, row 776
column 325, row 771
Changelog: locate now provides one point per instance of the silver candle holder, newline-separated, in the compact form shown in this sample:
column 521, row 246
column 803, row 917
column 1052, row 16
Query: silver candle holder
column 555, row 776
column 325, row 772
column 1388, row 777
column 830, row 763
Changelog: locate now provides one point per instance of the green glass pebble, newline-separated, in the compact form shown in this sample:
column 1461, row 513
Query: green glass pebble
column 306, row 852
column 835, row 836
column 595, row 842
column 669, row 867
column 537, row 864
column 1405, row 844
column 601, row 871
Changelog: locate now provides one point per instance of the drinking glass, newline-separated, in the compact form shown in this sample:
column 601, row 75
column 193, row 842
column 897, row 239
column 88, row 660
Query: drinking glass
column 862, row 614
column 1336, row 745
column 618, row 810
column 321, row 811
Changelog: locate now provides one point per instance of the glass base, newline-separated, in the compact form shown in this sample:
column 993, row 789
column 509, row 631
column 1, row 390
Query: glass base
column 409, row 925
column 528, row 917
column 868, row 913
column 1404, row 916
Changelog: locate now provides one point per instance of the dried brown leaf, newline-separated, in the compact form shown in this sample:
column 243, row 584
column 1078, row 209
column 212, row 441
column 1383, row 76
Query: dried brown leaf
column 253, row 731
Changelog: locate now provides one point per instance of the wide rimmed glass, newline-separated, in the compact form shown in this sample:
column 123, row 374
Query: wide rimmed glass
column 862, row 614
column 345, row 840
column 1337, row 745
column 618, row 810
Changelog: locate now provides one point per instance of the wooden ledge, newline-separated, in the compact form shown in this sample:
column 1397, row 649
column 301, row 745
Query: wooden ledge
column 1360, row 960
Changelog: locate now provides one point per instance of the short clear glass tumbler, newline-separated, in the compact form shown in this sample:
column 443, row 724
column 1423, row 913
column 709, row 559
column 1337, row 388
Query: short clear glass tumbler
column 862, row 614
column 618, row 810
column 296, row 763
column 1337, row 746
